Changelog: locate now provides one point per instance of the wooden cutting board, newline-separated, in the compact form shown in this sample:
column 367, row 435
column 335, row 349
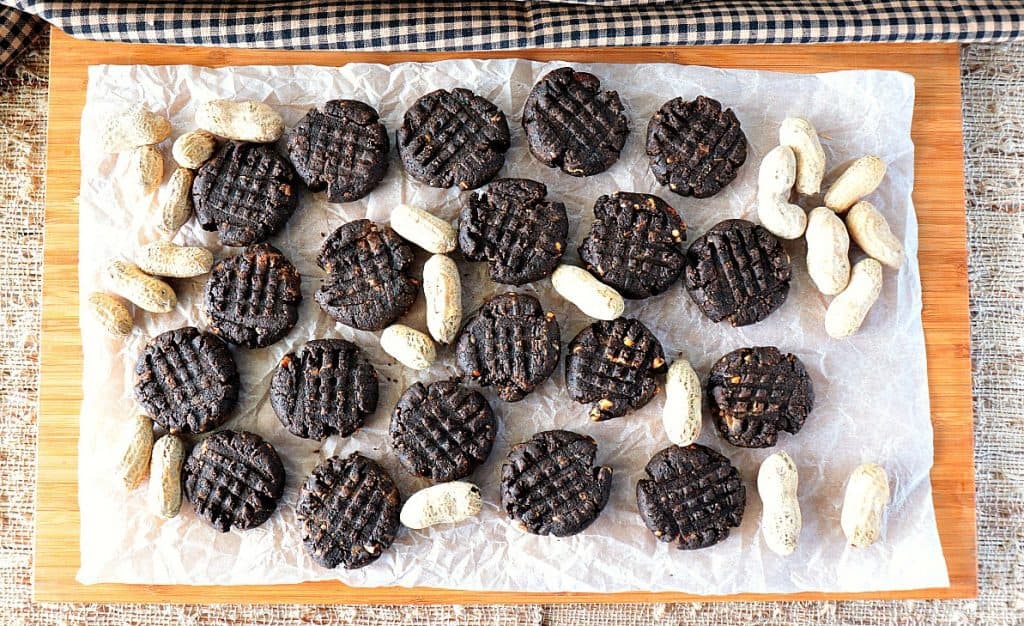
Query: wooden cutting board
column 939, row 198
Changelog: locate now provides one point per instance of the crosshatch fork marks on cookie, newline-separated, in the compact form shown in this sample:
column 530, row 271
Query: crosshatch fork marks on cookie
column 453, row 139
column 245, row 192
column 233, row 480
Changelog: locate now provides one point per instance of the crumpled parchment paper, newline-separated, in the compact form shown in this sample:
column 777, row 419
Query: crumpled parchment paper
column 871, row 390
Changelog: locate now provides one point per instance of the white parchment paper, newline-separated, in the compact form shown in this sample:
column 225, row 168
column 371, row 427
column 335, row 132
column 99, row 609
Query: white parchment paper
column 871, row 390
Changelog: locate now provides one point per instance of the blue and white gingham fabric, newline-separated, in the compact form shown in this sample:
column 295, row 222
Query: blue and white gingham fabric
column 512, row 24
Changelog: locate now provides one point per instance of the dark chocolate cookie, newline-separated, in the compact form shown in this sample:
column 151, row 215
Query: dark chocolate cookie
column 737, row 271
column 367, row 286
column 694, row 496
column 512, row 226
column 348, row 510
column 695, row 147
column 635, row 244
column 326, row 388
column 252, row 298
column 233, row 479
column 187, row 381
column 755, row 393
column 570, row 123
column 245, row 192
column 342, row 147
column 453, row 138
column 442, row 431
column 614, row 365
column 510, row 343
column 550, row 486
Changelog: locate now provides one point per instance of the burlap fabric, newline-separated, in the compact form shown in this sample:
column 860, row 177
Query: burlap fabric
column 993, row 87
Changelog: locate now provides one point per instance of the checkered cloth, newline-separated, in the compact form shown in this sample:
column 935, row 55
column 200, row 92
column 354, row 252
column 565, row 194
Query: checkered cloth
column 511, row 24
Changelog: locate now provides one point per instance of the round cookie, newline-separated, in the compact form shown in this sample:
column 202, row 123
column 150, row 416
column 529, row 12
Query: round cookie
column 550, row 486
column 635, row 244
column 510, row 343
column 442, row 431
column 521, row 235
column 737, row 271
column 694, row 496
column 614, row 364
column 756, row 392
column 695, row 147
column 252, row 298
column 326, row 388
column 453, row 139
column 367, row 286
column 187, row 381
column 342, row 147
column 348, row 511
column 233, row 479
column 245, row 192
column 570, row 123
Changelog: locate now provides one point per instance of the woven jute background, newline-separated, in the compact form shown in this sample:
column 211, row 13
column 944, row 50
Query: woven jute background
column 993, row 88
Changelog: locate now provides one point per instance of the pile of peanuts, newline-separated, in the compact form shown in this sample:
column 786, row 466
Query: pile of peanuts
column 797, row 167
column 138, row 133
column 798, row 164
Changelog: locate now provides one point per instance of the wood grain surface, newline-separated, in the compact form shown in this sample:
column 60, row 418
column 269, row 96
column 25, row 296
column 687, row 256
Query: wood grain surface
column 938, row 196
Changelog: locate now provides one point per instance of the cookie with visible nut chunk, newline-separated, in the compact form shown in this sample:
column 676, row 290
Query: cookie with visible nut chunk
column 695, row 147
column 252, row 298
column 614, row 365
column 348, row 510
column 755, row 393
column 550, row 485
column 442, row 431
column 521, row 235
column 635, row 244
column 342, row 147
column 187, row 381
column 693, row 496
column 325, row 388
column 511, row 344
column 570, row 123
column 737, row 271
column 368, row 286
column 246, row 192
column 453, row 139
column 233, row 479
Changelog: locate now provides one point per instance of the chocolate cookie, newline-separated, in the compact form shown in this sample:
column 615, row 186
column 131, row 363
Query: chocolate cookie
column 342, row 147
column 453, row 138
column 252, row 298
column 695, row 147
column 245, row 192
column 509, row 343
column 694, row 496
column 550, row 486
column 570, row 123
column 326, row 388
column 443, row 431
column 756, row 392
column 737, row 271
column 635, row 244
column 233, row 479
column 614, row 365
column 520, row 234
column 348, row 510
column 187, row 381
column 367, row 286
